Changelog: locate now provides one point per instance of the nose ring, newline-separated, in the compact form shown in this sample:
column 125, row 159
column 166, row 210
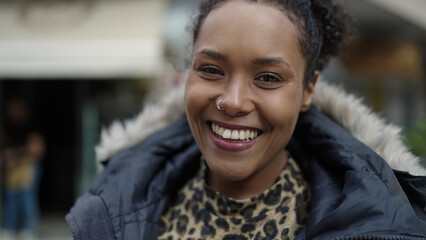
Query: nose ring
column 218, row 105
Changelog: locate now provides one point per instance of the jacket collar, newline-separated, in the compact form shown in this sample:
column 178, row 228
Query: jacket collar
column 354, row 192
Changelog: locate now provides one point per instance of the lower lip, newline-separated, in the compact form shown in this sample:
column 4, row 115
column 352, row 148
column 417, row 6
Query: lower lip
column 228, row 145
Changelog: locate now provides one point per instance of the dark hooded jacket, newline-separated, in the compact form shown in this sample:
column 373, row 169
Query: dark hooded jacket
column 355, row 192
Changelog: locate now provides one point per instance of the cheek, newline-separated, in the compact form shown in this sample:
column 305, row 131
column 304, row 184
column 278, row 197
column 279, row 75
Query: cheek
column 196, row 97
column 282, row 110
column 190, row 94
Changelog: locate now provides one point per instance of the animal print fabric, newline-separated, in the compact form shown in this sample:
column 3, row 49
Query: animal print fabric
column 198, row 212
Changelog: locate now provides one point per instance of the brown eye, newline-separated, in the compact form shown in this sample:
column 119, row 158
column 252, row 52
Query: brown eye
column 209, row 72
column 269, row 80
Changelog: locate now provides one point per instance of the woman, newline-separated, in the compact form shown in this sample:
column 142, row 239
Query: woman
column 252, row 159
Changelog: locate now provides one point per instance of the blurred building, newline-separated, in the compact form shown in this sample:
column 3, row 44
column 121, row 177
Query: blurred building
column 79, row 65
column 385, row 63
column 83, row 63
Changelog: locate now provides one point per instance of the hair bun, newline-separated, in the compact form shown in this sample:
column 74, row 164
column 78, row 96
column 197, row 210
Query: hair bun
column 333, row 24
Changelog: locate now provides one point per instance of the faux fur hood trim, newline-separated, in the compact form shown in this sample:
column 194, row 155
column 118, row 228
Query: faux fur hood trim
column 346, row 109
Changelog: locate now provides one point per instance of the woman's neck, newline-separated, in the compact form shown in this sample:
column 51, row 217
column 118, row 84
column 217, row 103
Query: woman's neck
column 252, row 185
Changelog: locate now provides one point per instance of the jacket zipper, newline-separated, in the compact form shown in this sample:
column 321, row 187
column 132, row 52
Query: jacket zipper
column 378, row 237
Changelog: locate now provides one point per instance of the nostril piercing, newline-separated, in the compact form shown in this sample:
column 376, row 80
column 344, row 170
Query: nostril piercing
column 218, row 105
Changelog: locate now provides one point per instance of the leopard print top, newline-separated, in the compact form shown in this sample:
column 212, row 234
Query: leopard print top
column 198, row 212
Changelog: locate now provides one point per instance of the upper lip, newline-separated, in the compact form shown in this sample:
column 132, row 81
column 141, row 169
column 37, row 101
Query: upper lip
column 233, row 126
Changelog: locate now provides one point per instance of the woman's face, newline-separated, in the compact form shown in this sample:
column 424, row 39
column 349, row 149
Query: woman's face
column 248, row 55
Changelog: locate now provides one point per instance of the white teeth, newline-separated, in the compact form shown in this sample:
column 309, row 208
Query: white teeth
column 234, row 134
column 243, row 134
column 227, row 133
column 220, row 131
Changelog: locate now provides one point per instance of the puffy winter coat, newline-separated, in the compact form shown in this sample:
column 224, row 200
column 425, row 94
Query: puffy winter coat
column 362, row 176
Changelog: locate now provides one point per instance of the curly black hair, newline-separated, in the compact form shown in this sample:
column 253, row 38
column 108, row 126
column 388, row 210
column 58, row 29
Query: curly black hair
column 323, row 27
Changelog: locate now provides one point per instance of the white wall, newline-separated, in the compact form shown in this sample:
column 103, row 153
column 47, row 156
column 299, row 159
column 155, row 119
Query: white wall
column 81, row 39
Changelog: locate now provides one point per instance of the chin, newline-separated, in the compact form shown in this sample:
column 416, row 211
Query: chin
column 230, row 171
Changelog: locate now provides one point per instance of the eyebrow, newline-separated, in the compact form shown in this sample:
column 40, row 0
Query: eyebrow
column 212, row 53
column 269, row 61
column 257, row 61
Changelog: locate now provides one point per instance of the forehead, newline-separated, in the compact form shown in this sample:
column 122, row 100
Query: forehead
column 253, row 28
column 258, row 10
column 248, row 18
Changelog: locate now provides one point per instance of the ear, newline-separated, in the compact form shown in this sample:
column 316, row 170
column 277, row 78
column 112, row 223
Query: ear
column 308, row 93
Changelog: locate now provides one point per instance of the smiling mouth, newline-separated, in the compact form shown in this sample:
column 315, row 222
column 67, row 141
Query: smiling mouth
column 234, row 134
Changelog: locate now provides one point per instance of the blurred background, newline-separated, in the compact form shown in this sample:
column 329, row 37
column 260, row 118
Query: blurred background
column 68, row 68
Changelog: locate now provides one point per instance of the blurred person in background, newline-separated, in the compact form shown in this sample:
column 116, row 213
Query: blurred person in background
column 267, row 150
column 23, row 148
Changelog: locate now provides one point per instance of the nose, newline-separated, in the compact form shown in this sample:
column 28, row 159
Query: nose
column 237, row 98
